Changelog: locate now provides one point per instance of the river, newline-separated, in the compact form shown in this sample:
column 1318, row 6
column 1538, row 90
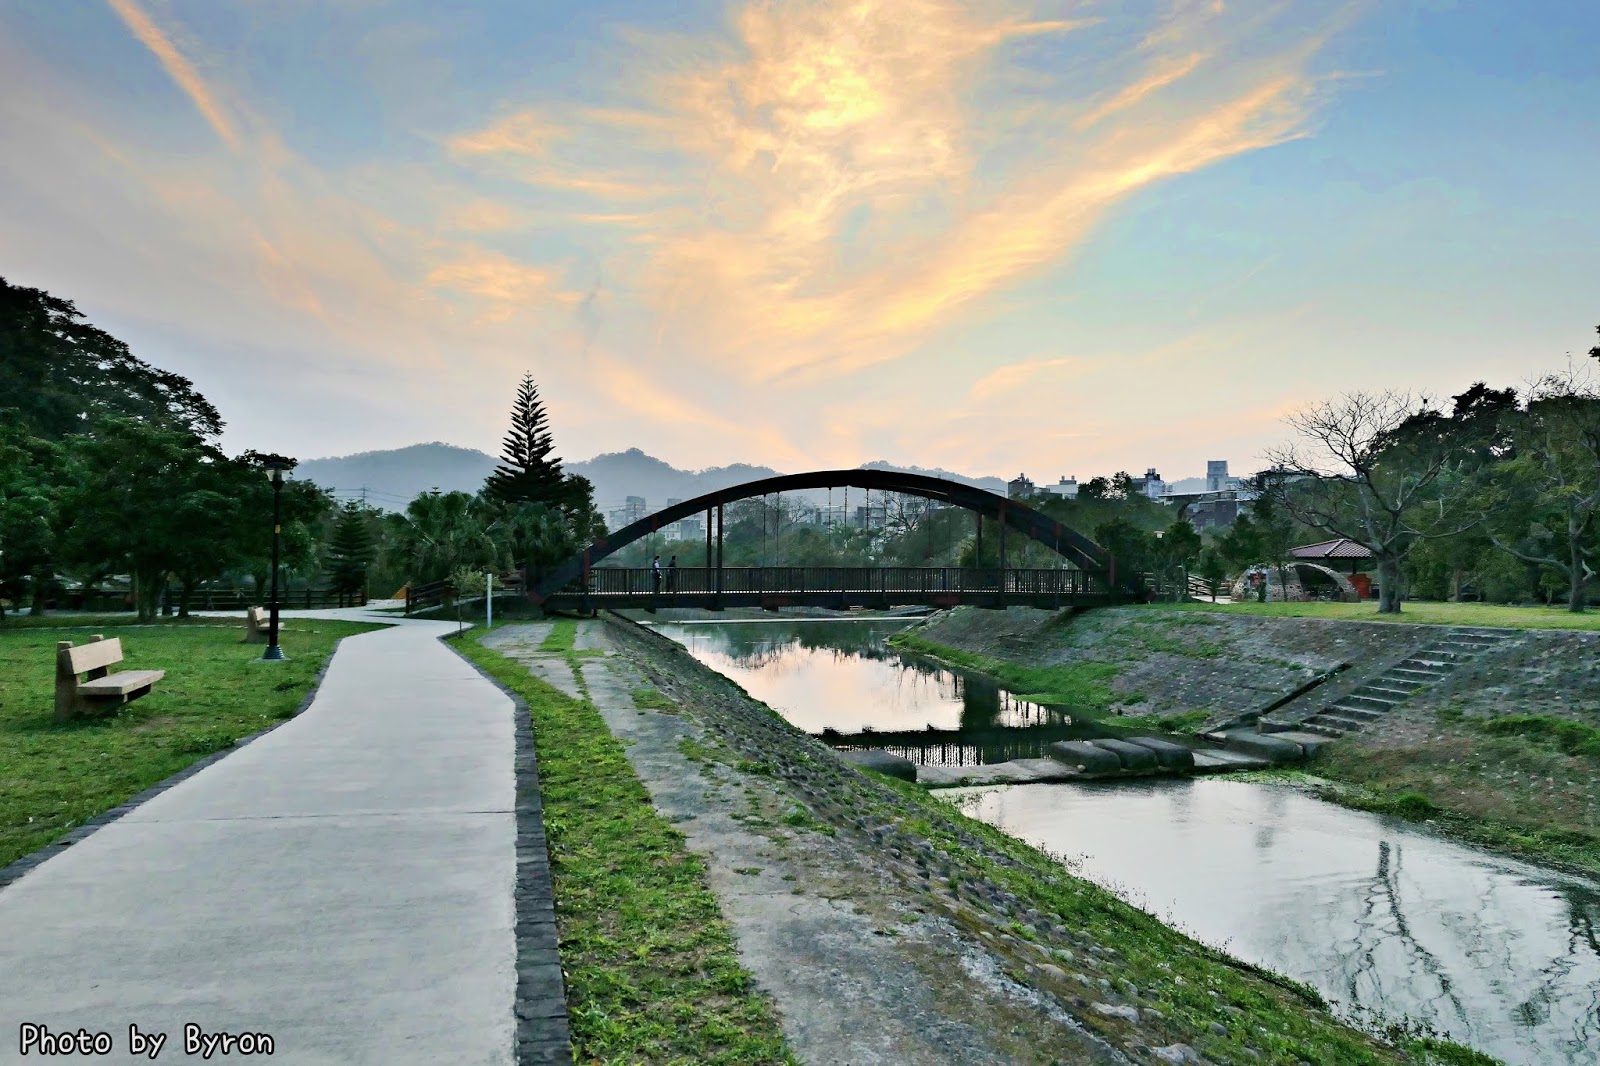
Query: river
column 1382, row 918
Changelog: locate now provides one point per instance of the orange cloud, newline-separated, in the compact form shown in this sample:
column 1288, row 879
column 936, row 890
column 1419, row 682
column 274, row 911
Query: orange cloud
column 179, row 69
column 858, row 191
column 521, row 133
column 1007, row 378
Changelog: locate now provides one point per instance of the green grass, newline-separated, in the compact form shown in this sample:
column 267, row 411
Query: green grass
column 1562, row 734
column 1494, row 616
column 1082, row 686
column 1523, row 785
column 56, row 775
column 652, row 970
column 71, row 620
column 561, row 636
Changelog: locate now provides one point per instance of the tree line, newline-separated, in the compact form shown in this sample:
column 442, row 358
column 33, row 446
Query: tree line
column 112, row 468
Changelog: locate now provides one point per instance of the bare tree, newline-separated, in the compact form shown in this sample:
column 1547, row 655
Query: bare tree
column 1371, row 467
column 1552, row 484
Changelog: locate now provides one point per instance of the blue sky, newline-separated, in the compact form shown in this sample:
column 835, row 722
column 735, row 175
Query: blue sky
column 1065, row 238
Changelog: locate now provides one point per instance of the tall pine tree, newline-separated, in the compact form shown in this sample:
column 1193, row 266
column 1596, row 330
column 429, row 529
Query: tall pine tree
column 527, row 472
column 351, row 549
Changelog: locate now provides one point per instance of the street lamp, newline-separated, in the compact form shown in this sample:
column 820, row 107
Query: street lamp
column 276, row 467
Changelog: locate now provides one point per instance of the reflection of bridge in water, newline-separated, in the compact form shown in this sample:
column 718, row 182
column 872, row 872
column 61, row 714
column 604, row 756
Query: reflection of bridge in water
column 1087, row 575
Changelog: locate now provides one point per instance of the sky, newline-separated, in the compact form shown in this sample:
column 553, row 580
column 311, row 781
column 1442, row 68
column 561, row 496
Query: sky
column 1061, row 238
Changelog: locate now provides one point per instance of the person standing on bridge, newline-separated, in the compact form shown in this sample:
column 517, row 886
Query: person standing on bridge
column 655, row 573
column 672, row 574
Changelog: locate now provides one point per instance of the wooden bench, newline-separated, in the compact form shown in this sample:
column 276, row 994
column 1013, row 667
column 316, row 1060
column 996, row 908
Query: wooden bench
column 255, row 625
column 100, row 691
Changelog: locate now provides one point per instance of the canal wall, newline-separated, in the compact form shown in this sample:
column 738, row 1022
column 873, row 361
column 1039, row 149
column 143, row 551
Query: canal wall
column 1229, row 665
column 1503, row 751
column 1129, row 988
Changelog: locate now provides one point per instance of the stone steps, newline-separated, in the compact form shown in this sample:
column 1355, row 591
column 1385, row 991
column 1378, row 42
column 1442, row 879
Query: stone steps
column 1422, row 668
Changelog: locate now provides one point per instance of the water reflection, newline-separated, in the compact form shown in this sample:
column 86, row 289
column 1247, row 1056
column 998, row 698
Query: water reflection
column 1379, row 917
column 841, row 681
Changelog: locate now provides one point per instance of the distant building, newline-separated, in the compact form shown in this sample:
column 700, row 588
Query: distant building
column 1217, row 479
column 673, row 501
column 1020, row 487
column 1151, row 484
column 1219, row 504
column 873, row 517
column 688, row 529
column 1067, row 486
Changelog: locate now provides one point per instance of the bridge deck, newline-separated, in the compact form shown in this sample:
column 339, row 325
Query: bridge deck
column 830, row 586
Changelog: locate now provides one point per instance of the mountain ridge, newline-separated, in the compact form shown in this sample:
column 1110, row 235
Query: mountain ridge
column 390, row 478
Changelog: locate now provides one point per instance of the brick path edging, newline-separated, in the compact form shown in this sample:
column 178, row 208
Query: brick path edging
column 543, row 1037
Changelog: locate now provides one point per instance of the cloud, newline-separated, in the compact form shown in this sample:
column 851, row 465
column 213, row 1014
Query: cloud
column 178, row 68
column 505, row 284
column 522, row 133
column 1008, row 378
column 868, row 171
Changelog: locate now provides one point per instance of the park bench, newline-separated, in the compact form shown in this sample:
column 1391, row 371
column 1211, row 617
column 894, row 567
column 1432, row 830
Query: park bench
column 255, row 625
column 100, row 691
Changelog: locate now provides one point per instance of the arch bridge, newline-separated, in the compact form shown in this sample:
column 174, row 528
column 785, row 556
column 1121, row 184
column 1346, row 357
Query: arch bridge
column 1086, row 577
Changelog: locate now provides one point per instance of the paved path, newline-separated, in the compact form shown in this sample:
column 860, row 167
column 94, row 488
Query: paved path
column 343, row 884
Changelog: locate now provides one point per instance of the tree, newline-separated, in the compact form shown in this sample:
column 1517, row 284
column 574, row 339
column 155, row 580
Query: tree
column 148, row 499
column 30, row 474
column 1552, row 484
column 1174, row 553
column 527, row 472
column 61, row 374
column 351, row 550
column 1213, row 570
column 1241, row 547
column 1365, row 469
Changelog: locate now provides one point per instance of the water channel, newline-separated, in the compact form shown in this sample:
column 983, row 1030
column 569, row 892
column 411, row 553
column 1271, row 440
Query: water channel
column 1380, row 917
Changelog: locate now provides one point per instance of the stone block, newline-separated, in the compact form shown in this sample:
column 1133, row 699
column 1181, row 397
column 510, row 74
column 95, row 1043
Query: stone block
column 1266, row 745
column 882, row 761
column 1084, row 756
column 1169, row 755
column 1132, row 756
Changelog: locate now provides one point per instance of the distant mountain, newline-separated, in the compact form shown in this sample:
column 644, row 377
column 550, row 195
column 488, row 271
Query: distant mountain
column 992, row 484
column 618, row 475
column 392, row 478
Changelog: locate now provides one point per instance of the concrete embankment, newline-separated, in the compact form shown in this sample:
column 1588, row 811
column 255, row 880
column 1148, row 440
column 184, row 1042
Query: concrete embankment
column 1015, row 955
column 1494, row 734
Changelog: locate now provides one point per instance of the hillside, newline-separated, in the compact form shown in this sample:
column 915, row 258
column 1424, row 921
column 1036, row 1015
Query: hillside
column 393, row 477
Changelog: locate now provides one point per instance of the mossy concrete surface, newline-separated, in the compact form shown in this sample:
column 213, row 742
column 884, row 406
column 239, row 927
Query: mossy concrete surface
column 1036, row 964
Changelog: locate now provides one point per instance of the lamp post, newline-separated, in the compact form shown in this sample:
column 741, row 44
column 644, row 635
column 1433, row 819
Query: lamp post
column 275, row 467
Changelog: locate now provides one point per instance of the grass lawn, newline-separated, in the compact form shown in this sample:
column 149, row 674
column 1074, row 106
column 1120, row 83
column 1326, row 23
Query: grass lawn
column 652, row 972
column 1490, row 615
column 56, row 775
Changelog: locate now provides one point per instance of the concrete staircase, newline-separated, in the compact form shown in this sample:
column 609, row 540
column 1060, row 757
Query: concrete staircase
column 1369, row 703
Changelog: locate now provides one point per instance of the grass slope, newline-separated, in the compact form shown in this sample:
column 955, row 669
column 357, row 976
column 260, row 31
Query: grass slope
column 1527, row 785
column 652, row 970
column 1493, row 616
column 1081, row 686
column 56, row 775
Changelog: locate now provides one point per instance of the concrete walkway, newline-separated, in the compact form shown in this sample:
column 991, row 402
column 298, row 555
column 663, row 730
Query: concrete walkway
column 343, row 884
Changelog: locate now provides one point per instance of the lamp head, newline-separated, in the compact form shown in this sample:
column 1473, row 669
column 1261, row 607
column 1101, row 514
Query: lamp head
column 276, row 466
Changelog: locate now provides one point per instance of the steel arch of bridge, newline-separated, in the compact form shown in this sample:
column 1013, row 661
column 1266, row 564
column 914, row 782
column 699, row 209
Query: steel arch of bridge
column 1077, row 549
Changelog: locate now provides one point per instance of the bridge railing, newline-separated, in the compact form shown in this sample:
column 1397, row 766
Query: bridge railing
column 643, row 581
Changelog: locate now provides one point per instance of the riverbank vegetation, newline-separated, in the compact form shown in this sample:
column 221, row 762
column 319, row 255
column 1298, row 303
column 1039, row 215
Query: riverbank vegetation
column 1487, row 615
column 56, row 775
column 651, row 967
column 1526, row 785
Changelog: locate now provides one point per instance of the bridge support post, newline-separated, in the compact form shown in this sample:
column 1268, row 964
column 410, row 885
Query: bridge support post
column 719, row 554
